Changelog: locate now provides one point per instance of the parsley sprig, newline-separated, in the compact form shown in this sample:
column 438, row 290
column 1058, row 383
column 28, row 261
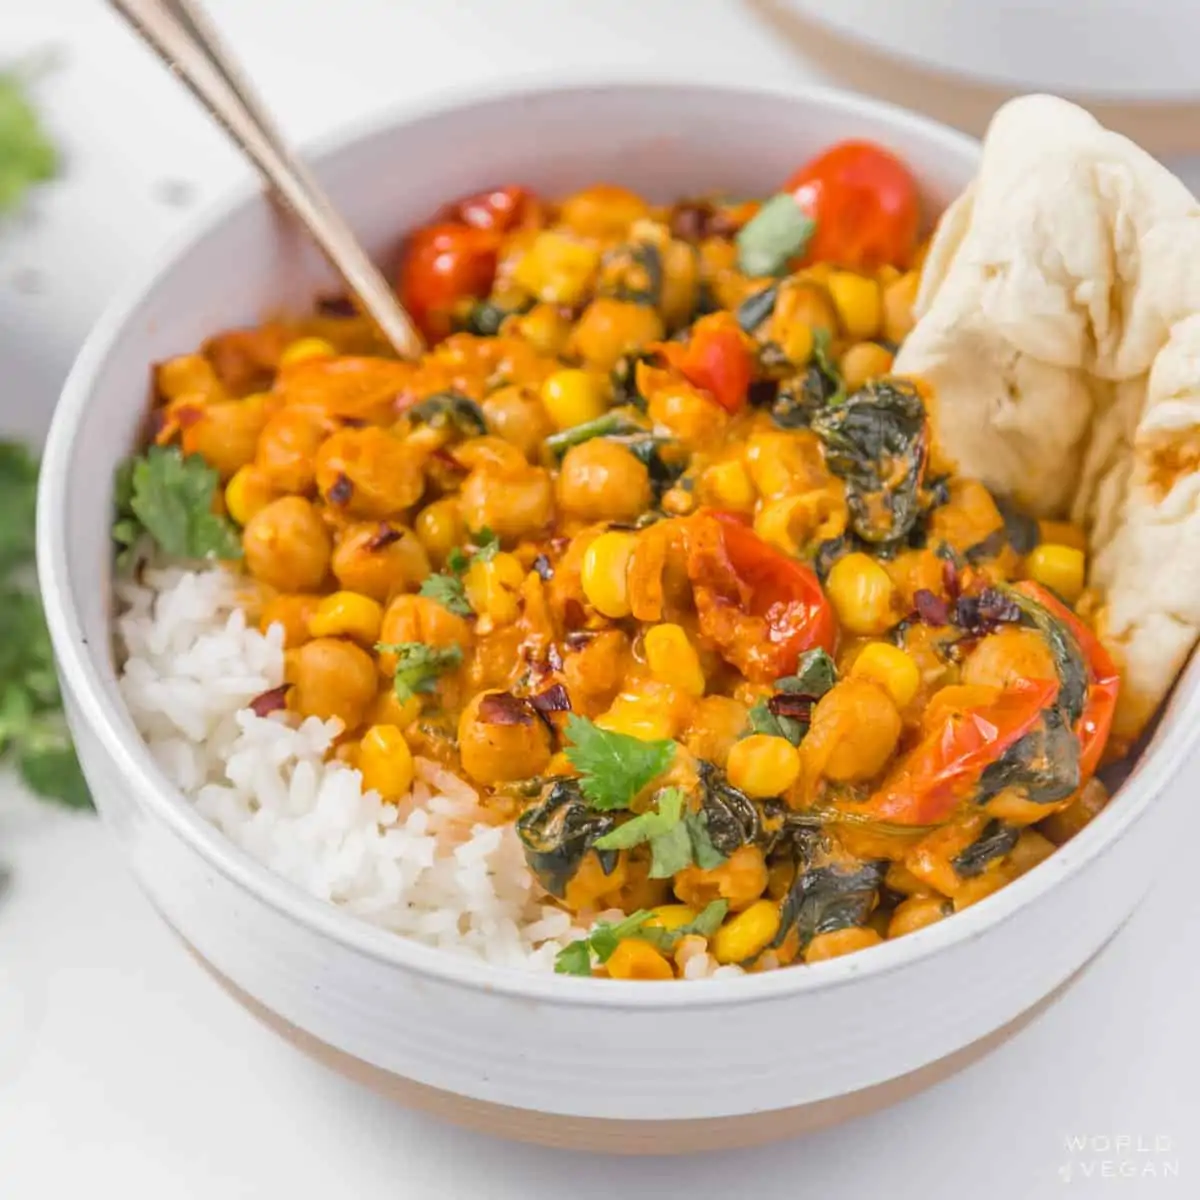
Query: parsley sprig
column 613, row 767
column 170, row 498
column 418, row 666
column 577, row 957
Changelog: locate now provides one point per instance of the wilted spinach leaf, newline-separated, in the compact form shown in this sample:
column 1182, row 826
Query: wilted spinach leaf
column 824, row 899
column 558, row 830
column 996, row 840
column 450, row 410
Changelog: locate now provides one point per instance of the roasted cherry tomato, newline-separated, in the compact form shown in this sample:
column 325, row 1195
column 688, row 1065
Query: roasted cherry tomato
column 443, row 264
column 759, row 607
column 501, row 209
column 965, row 729
column 1104, row 680
column 864, row 203
column 716, row 359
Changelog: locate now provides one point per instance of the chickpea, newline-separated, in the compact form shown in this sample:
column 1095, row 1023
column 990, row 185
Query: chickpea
column 291, row 613
column 225, row 433
column 741, row 879
column 511, row 504
column 610, row 328
column 602, row 481
column 1008, row 656
column 379, row 558
column 494, row 752
column 715, row 727
column 420, row 619
column 332, row 678
column 287, row 545
column 287, row 450
column 517, row 415
column 594, row 673
column 854, row 731
column 693, row 418
column 603, row 210
column 369, row 472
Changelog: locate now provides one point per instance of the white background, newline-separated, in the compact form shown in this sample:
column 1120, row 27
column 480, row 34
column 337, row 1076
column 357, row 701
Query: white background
column 124, row 1071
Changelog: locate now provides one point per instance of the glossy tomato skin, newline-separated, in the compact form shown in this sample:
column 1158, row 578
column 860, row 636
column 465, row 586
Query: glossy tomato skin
column 865, row 205
column 441, row 265
column 716, row 359
column 500, row 209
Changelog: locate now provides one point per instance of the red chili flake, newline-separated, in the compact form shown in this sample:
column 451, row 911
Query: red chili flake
column 274, row 700
column 336, row 306
column 503, row 708
column 554, row 699
column 695, row 220
column 791, row 704
column 931, row 608
column 341, row 491
column 986, row 612
column 384, row 536
column 186, row 415
column 354, row 422
column 950, row 578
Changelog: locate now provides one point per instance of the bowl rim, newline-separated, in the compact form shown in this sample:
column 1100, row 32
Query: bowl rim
column 128, row 752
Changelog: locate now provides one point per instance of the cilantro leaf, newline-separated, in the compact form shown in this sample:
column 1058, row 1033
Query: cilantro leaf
column 780, row 230
column 487, row 545
column 704, row 924
column 18, row 495
column 449, row 592
column 26, row 155
column 418, row 665
column 763, row 720
column 704, row 854
column 815, row 675
column 171, row 498
column 576, row 957
column 613, row 767
column 670, row 852
column 653, row 823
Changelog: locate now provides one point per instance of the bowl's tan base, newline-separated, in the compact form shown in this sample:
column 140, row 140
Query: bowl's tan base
column 634, row 1137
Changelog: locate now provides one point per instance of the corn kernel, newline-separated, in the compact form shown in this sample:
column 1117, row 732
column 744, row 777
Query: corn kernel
column 747, row 934
column 389, row 709
column 861, row 592
column 642, row 721
column 798, row 342
column 545, row 328
column 672, row 916
column 248, row 491
column 673, row 659
column 306, row 348
column 840, row 941
column 899, row 297
column 762, row 765
column 893, row 669
column 347, row 614
column 557, row 268
column 493, row 588
column 859, row 303
column 604, row 574
column 385, row 761
column 1062, row 533
column 1058, row 567
column 728, row 485
column 571, row 397
column 635, row 959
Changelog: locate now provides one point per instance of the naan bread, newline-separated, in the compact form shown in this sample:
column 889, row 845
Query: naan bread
column 1058, row 322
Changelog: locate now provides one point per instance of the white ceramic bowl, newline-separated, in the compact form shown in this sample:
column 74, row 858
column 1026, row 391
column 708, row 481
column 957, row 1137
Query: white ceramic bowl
column 624, row 1065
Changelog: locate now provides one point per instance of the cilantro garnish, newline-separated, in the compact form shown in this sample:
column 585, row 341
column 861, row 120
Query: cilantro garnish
column 447, row 586
column 613, row 767
column 576, row 958
column 418, row 665
column 26, row 155
column 170, row 497
column 33, row 732
column 677, row 838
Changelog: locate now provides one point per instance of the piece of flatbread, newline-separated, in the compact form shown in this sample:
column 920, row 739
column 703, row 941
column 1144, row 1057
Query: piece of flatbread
column 1058, row 322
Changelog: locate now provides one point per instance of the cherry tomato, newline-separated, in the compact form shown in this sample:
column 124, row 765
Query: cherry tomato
column 760, row 608
column 500, row 209
column 1104, row 681
column 441, row 265
column 970, row 728
column 716, row 359
column 864, row 202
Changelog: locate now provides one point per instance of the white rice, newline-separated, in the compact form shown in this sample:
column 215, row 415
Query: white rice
column 431, row 867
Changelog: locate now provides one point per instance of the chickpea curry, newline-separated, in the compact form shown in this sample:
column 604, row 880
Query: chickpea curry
column 652, row 549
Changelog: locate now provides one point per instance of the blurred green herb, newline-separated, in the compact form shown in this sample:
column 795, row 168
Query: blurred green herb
column 33, row 732
column 27, row 156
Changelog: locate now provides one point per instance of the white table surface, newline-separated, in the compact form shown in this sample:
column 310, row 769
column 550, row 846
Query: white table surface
column 124, row 1071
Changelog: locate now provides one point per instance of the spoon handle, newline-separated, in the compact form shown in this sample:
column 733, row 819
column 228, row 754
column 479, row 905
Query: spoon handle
column 182, row 35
